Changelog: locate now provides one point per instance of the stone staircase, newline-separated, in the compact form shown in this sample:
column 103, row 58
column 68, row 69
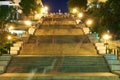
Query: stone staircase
column 58, row 27
column 70, row 68
column 59, row 39
column 58, row 21
column 4, row 62
column 56, row 37
column 58, row 49
column 84, row 64
column 40, row 32
column 59, row 43
column 28, row 64
column 94, row 76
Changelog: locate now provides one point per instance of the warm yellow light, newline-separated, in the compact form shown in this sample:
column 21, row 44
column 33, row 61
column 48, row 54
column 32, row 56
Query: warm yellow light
column 74, row 10
column 106, row 37
column 37, row 15
column 44, row 9
column 80, row 15
column 11, row 28
column 89, row 22
column 102, row 0
column 91, row 1
column 29, row 23
column 9, row 37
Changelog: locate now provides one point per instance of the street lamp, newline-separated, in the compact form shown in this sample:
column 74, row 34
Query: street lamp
column 106, row 37
column 89, row 22
column 9, row 38
column 44, row 10
column 75, row 10
column 80, row 15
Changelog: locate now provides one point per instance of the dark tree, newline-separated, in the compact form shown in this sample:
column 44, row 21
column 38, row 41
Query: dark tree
column 29, row 6
column 4, row 43
column 80, row 4
column 5, row 12
column 3, row 37
column 114, row 16
column 107, row 17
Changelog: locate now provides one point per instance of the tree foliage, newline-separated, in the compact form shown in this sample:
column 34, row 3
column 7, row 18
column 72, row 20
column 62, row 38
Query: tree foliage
column 4, row 43
column 107, row 17
column 80, row 4
column 4, row 10
column 3, row 37
column 6, row 14
column 29, row 6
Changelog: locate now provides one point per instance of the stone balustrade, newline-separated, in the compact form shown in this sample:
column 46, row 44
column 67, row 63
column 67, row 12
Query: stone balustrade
column 113, row 62
column 100, row 48
column 86, row 30
column 14, row 50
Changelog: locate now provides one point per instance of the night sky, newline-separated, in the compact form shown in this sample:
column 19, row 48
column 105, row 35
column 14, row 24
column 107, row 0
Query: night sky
column 56, row 5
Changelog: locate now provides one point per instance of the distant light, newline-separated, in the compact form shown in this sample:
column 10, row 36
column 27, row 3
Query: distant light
column 11, row 28
column 89, row 22
column 29, row 23
column 80, row 15
column 74, row 10
column 106, row 37
column 44, row 10
column 102, row 0
column 38, row 16
column 9, row 37
column 59, row 11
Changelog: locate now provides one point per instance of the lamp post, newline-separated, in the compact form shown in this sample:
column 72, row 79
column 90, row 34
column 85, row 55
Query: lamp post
column 106, row 37
column 89, row 22
column 9, row 38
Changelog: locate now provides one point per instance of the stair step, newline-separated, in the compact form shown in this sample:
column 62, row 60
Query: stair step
column 63, row 76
